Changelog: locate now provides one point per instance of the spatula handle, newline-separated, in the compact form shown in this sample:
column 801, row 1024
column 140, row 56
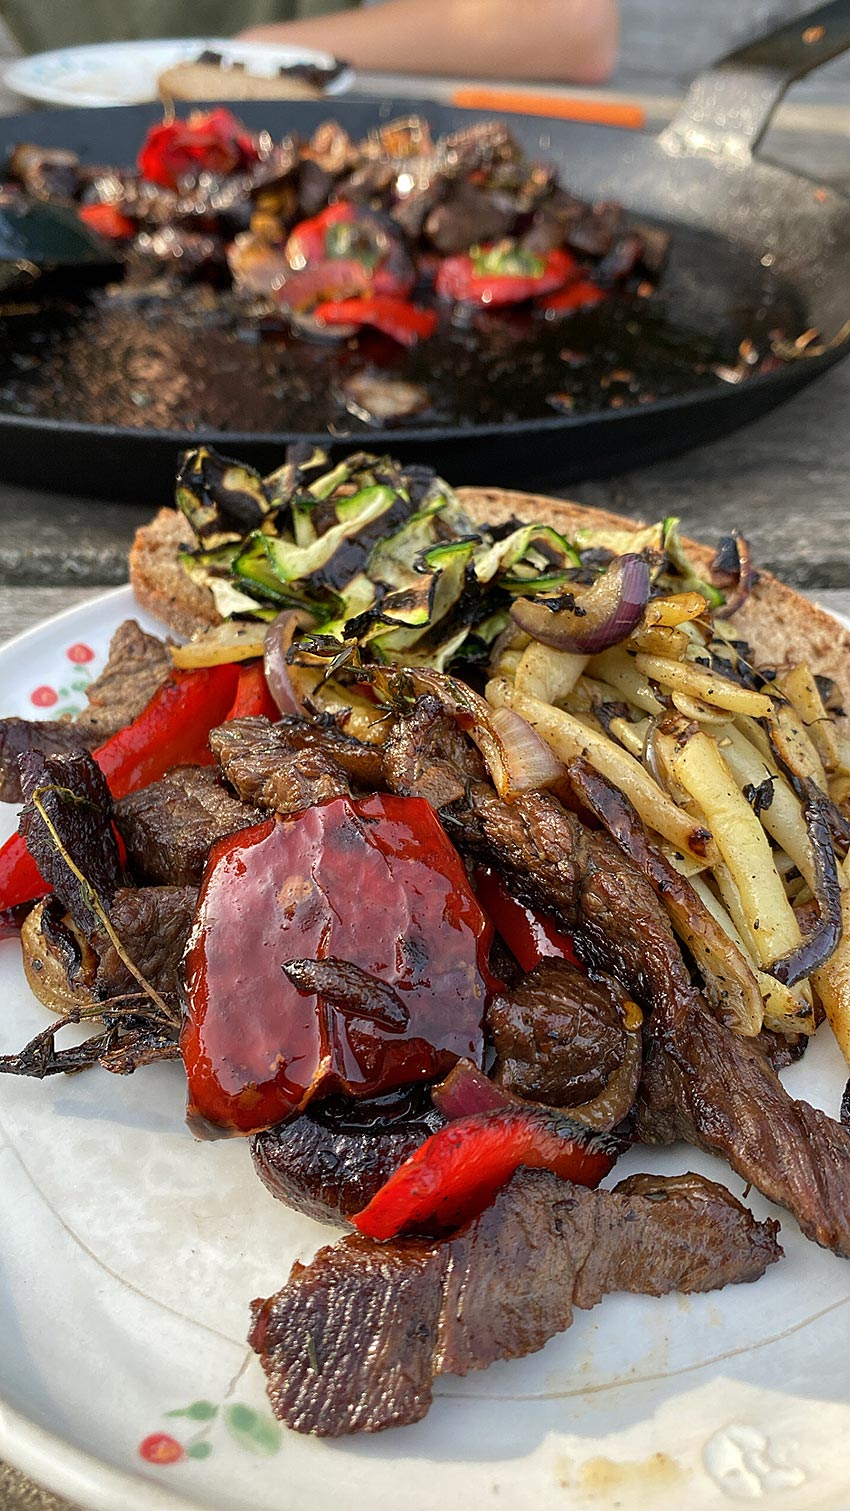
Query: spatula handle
column 729, row 107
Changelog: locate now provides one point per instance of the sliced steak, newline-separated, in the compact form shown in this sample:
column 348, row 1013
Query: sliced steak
column 559, row 1036
column 330, row 1161
column 138, row 663
column 355, row 1339
column 716, row 1089
column 66, row 824
column 49, row 737
column 259, row 761
column 547, row 856
column 168, row 827
column 428, row 755
column 362, row 763
column 153, row 925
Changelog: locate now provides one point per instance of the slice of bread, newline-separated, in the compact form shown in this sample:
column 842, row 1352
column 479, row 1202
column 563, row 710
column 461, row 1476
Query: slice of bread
column 159, row 581
column 779, row 623
column 209, row 81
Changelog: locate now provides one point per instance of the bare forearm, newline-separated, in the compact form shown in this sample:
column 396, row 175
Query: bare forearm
column 544, row 39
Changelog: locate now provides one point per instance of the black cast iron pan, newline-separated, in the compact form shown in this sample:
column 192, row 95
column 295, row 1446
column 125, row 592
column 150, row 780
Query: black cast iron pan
column 103, row 405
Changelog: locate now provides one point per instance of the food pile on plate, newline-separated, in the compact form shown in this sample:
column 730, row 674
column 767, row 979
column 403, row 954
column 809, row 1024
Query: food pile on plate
column 465, row 841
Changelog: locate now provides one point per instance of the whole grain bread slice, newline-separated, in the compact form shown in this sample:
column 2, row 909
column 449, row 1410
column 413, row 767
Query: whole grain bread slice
column 779, row 623
column 209, row 81
column 161, row 584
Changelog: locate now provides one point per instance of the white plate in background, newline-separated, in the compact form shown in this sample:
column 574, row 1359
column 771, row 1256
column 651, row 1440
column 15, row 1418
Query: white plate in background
column 126, row 73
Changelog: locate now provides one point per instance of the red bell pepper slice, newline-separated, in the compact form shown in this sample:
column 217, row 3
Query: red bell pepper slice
column 330, row 279
column 405, row 322
column 173, row 730
column 581, row 295
column 212, row 142
column 373, row 881
column 503, row 274
column 530, row 936
column 456, row 1173
column 107, row 221
column 252, row 695
column 347, row 235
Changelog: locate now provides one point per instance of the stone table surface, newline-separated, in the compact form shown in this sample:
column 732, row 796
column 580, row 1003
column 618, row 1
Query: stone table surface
column 784, row 480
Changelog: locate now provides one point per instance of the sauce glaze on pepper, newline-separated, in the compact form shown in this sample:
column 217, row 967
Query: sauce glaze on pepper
column 374, row 881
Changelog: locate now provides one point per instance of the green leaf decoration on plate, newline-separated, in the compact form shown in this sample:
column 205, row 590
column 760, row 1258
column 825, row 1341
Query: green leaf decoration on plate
column 253, row 1430
column 199, row 1411
column 200, row 1450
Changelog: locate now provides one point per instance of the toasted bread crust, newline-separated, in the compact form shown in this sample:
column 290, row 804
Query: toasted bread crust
column 208, row 81
column 779, row 623
column 159, row 581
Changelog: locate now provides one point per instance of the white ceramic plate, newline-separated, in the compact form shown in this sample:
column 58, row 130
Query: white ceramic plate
column 126, row 73
column 129, row 1255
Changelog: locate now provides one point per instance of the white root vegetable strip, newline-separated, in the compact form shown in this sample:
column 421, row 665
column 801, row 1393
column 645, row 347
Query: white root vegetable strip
column 618, row 668
column 783, row 819
column 686, row 865
column 832, row 981
column 793, row 743
column 571, row 739
column 790, row 1009
column 546, row 673
column 779, row 1005
column 659, row 640
column 631, row 736
column 675, row 609
column 799, row 687
column 699, row 682
column 699, row 765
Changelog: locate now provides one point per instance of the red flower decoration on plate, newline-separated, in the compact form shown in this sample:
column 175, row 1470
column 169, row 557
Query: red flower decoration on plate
column 44, row 697
column 80, row 653
column 161, row 1448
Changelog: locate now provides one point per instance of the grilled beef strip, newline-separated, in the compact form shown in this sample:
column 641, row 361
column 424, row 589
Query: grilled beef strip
column 548, row 857
column 705, row 1084
column 74, row 805
column 138, row 663
column 354, row 1340
column 266, row 769
column 331, row 1160
column 168, row 827
column 559, row 1036
column 153, row 925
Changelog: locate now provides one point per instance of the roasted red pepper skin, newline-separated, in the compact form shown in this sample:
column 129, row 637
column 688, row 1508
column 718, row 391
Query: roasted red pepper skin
column 172, row 731
column 370, row 880
column 405, row 322
column 252, row 695
column 581, row 295
column 322, row 241
column 456, row 1173
column 107, row 221
column 307, row 241
column 458, row 280
column 211, row 141
column 530, row 936
column 331, row 278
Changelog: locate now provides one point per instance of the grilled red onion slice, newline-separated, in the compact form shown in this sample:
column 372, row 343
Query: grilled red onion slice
column 517, row 759
column 817, row 947
column 279, row 637
column 736, row 580
column 529, row 760
column 604, row 615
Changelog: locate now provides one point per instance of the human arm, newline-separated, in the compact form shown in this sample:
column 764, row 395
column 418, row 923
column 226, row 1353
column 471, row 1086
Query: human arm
column 549, row 39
